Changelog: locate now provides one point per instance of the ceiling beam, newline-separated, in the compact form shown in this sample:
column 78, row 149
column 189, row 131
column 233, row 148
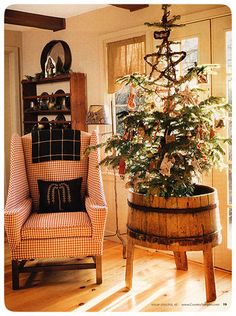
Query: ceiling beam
column 131, row 7
column 34, row 20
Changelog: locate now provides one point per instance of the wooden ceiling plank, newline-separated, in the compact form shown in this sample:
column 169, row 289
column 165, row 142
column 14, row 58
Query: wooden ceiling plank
column 34, row 20
column 131, row 7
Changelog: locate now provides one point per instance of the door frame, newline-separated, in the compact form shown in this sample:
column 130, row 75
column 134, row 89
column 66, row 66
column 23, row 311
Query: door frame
column 12, row 116
column 219, row 26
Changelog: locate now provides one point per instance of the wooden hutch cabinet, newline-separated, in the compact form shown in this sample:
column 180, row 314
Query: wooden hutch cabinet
column 74, row 101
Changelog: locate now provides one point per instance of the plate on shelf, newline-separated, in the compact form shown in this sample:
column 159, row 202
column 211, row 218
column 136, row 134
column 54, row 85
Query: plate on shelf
column 60, row 91
column 42, row 124
column 60, row 118
column 60, row 101
column 43, row 102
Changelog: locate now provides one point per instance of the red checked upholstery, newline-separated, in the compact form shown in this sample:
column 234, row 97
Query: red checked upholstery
column 53, row 225
column 35, row 235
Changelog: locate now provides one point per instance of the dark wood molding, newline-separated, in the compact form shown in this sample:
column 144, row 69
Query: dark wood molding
column 131, row 7
column 34, row 20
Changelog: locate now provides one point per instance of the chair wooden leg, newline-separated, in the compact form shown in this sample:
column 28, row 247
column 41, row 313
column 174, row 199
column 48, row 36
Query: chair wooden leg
column 209, row 274
column 98, row 269
column 129, row 263
column 15, row 275
column 181, row 260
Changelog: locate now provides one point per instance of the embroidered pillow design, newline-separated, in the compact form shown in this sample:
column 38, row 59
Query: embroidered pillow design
column 60, row 196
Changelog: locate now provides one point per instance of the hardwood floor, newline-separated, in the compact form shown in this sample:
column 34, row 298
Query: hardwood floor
column 157, row 286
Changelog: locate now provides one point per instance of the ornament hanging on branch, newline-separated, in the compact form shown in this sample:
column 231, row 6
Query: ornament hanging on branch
column 212, row 133
column 196, row 167
column 122, row 167
column 199, row 147
column 131, row 102
column 170, row 138
column 166, row 165
column 189, row 135
column 153, row 165
column 141, row 132
column 219, row 124
column 169, row 106
column 161, row 91
column 202, row 78
column 188, row 96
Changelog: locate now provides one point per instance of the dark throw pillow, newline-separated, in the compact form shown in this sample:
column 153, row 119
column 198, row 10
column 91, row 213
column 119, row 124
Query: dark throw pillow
column 60, row 196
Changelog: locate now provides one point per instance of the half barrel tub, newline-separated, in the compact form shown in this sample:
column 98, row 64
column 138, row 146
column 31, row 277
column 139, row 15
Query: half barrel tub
column 178, row 224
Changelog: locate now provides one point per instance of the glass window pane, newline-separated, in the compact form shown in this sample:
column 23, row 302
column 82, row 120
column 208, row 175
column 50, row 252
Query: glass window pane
column 121, row 96
column 229, row 239
column 176, row 48
column 230, row 136
column 119, row 125
column 229, row 88
column 121, row 100
column 230, row 184
column 190, row 46
column 229, row 51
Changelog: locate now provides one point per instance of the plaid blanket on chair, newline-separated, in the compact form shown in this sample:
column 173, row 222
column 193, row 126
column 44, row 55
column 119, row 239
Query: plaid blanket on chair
column 55, row 144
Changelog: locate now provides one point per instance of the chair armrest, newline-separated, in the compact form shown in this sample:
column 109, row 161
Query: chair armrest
column 98, row 216
column 14, row 218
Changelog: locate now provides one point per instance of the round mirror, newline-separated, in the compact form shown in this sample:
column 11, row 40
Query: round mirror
column 59, row 52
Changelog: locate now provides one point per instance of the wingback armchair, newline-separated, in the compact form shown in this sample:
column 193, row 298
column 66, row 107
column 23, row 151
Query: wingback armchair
column 33, row 235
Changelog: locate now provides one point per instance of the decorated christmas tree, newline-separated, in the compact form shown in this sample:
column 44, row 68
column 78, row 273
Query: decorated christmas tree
column 171, row 135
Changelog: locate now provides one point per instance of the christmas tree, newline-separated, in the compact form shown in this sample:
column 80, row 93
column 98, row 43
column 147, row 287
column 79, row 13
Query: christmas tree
column 171, row 135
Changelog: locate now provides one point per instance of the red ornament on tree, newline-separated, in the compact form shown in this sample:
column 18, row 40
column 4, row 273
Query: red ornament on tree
column 212, row 133
column 122, row 167
column 202, row 153
column 131, row 103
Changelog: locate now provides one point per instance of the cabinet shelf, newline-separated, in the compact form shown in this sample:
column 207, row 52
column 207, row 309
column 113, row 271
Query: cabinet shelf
column 75, row 101
column 47, row 122
column 55, row 95
column 47, row 112
column 65, row 77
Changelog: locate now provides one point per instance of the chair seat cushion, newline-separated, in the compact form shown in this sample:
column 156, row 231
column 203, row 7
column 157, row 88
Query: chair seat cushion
column 54, row 225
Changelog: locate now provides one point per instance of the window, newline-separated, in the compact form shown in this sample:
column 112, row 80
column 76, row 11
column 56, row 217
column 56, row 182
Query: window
column 229, row 125
column 123, row 57
column 190, row 46
column 121, row 98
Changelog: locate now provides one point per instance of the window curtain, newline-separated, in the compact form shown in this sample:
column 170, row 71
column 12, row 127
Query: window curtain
column 124, row 57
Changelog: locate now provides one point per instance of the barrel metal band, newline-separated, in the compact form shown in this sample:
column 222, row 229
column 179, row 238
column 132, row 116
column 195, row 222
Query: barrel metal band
column 139, row 235
column 172, row 210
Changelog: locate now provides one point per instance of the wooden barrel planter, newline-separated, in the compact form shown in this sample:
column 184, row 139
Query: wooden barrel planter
column 177, row 224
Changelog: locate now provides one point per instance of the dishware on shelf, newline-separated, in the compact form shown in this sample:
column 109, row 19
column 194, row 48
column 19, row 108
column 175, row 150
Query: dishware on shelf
column 44, row 100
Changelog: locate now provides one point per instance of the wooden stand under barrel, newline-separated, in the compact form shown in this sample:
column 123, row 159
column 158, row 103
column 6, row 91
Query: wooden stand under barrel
column 176, row 224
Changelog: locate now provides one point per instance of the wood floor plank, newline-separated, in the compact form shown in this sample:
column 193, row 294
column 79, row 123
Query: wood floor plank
column 157, row 286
